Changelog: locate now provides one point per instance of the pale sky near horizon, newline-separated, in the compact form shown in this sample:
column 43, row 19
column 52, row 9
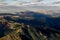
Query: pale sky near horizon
column 10, row 2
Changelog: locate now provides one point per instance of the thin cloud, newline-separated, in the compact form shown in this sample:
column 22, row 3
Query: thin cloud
column 56, row 2
column 23, row 2
column 3, row 3
column 2, row 0
column 36, row 0
column 53, row 3
column 40, row 0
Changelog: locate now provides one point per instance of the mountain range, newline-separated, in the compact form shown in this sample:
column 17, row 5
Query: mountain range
column 41, row 27
column 50, row 10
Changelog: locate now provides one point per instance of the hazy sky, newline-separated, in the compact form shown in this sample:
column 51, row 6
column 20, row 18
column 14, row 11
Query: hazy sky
column 47, row 2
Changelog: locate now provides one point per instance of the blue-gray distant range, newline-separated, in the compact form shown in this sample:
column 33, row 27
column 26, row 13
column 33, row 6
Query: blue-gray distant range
column 51, row 10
